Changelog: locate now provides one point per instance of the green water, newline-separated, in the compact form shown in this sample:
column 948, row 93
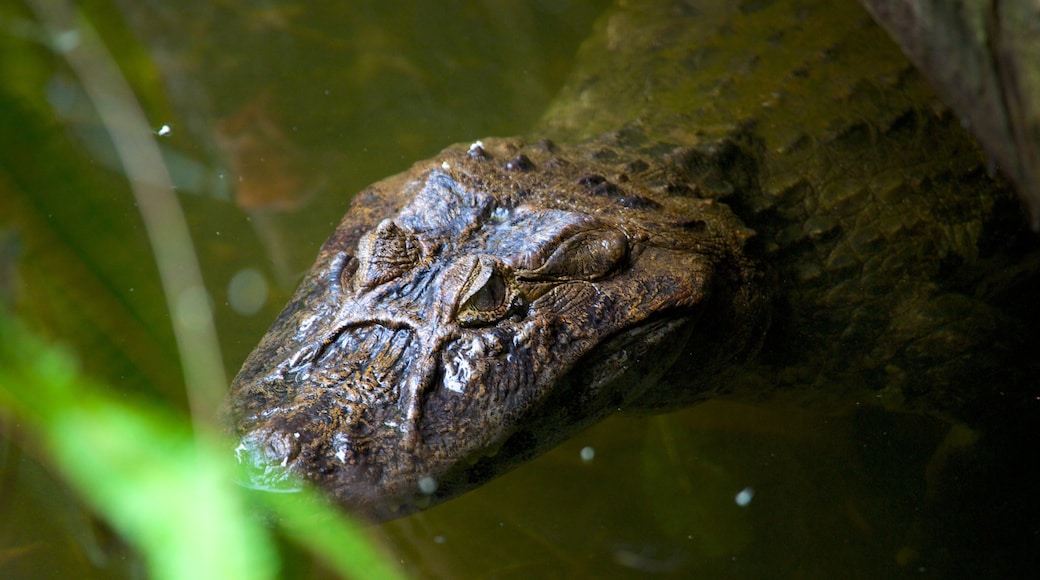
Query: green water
column 277, row 113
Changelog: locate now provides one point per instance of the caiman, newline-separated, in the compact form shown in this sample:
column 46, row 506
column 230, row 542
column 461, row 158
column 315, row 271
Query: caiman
column 735, row 198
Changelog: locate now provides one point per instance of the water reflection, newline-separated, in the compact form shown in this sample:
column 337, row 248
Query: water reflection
column 833, row 493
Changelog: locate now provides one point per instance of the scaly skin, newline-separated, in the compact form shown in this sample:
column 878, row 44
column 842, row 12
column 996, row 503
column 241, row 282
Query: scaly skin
column 479, row 308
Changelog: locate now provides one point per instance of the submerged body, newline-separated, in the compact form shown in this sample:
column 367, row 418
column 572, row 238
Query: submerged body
column 720, row 179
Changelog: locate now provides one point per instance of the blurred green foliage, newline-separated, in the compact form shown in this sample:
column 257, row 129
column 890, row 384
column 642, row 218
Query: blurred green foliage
column 168, row 492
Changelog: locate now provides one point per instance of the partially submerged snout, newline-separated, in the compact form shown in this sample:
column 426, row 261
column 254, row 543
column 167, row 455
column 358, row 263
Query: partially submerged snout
column 264, row 457
column 472, row 313
column 334, row 415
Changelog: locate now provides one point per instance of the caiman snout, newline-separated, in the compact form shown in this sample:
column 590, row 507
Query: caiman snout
column 322, row 414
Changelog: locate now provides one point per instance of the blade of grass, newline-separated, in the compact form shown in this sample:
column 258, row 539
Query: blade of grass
column 119, row 110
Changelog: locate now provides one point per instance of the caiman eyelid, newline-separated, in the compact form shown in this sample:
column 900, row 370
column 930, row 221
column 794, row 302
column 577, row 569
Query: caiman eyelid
column 384, row 254
column 346, row 273
column 586, row 255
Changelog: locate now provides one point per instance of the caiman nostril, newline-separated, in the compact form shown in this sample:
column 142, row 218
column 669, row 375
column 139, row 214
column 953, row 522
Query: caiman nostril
column 279, row 449
column 264, row 457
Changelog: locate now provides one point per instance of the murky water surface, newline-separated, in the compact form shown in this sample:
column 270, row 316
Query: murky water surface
column 269, row 116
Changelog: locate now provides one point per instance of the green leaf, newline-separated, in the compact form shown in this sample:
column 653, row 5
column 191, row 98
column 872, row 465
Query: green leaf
column 168, row 492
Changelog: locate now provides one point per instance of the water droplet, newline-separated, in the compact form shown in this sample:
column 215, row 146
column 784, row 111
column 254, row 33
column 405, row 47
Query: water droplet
column 247, row 291
column 427, row 485
column 587, row 454
column 744, row 496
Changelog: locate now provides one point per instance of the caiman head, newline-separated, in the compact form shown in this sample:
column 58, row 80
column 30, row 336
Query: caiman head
column 476, row 310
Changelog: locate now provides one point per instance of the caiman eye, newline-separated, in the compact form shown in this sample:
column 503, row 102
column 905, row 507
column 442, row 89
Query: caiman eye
column 486, row 296
column 587, row 255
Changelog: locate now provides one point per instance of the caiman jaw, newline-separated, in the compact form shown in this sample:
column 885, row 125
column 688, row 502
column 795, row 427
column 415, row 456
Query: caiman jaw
column 486, row 313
